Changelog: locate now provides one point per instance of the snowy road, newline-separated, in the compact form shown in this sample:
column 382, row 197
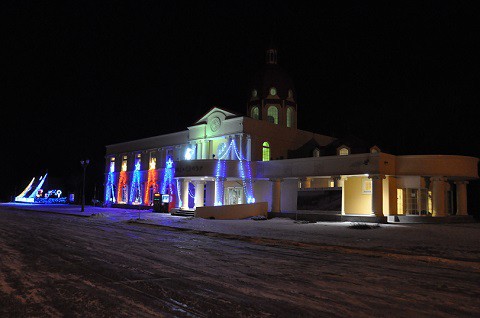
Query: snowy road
column 57, row 265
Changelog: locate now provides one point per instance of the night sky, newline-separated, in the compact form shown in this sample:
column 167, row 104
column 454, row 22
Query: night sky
column 80, row 75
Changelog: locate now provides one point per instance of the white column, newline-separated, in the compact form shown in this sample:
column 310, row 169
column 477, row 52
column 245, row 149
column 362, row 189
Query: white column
column 184, row 193
column 276, row 194
column 199, row 191
column 461, row 197
column 240, row 146
column 438, row 196
column 377, row 194
column 198, row 150
column 249, row 148
column 342, row 185
column 204, row 149
column 231, row 140
column 219, row 191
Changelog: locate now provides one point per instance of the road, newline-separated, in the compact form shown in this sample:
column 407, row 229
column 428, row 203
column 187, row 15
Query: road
column 65, row 266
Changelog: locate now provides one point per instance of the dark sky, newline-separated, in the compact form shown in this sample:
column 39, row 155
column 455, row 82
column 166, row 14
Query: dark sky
column 79, row 75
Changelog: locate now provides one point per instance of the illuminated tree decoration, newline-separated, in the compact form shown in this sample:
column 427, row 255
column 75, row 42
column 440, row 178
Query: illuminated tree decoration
column 122, row 182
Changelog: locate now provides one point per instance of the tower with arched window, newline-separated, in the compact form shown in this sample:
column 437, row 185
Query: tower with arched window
column 271, row 95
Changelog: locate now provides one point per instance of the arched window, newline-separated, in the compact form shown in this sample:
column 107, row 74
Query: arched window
column 222, row 148
column 289, row 117
column 272, row 114
column 255, row 113
column 266, row 151
column 344, row 151
column 316, row 152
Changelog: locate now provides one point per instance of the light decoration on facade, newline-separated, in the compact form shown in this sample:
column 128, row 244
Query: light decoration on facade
column 190, row 194
column 151, row 184
column 178, row 194
column 110, row 191
column 135, row 192
column 244, row 168
column 122, row 182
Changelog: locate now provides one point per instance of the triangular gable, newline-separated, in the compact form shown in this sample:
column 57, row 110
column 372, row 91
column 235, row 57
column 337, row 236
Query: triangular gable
column 203, row 120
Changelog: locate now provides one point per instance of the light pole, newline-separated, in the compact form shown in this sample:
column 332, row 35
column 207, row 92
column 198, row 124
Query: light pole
column 84, row 164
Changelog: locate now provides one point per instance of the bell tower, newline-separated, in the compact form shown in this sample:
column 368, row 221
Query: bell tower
column 272, row 94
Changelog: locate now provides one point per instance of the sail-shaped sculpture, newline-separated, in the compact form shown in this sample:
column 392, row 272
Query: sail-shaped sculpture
column 31, row 190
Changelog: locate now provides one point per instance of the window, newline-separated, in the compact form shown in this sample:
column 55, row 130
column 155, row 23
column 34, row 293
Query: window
column 255, row 113
column 272, row 114
column 316, row 152
column 124, row 197
column 221, row 150
column 266, row 151
column 290, row 93
column 254, row 93
column 138, row 160
column 289, row 117
column 273, row 91
column 152, row 165
column 112, row 164
column 124, row 163
column 343, row 152
column 366, row 186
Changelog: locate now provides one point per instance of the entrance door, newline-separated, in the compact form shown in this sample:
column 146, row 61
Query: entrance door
column 234, row 195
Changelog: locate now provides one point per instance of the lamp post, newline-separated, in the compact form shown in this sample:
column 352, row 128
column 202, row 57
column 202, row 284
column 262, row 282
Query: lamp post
column 84, row 164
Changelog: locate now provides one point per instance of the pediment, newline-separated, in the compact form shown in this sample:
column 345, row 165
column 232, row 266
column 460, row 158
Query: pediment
column 224, row 114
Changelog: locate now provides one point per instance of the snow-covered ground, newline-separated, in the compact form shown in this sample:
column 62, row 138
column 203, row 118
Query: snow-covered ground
column 442, row 237
column 275, row 267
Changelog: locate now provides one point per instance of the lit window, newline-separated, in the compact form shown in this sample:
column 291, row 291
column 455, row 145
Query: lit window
column 254, row 93
column 290, row 93
column 152, row 165
column 266, row 151
column 112, row 165
column 289, row 117
column 124, row 163
column 273, row 91
column 272, row 114
column 255, row 113
column 138, row 159
column 344, row 152
column 316, row 152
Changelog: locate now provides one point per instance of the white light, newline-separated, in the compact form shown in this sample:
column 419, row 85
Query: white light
column 188, row 154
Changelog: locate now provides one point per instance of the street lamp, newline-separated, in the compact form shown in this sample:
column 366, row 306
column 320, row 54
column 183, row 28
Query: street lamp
column 84, row 164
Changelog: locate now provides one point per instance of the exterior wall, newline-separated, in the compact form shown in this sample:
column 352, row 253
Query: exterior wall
column 356, row 202
column 177, row 138
column 438, row 165
column 263, row 192
column 280, row 138
column 390, row 195
column 289, row 195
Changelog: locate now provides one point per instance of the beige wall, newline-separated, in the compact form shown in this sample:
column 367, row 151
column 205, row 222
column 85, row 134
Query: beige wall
column 232, row 212
column 355, row 201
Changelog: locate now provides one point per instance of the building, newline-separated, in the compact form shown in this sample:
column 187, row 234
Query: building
column 226, row 165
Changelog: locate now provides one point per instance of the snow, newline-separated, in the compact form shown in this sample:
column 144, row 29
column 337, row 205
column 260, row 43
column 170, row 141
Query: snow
column 124, row 263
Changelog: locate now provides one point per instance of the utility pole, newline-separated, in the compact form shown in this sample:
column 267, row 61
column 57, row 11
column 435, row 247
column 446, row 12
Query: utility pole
column 84, row 164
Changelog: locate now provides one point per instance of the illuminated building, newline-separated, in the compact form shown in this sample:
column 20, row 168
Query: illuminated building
column 262, row 162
